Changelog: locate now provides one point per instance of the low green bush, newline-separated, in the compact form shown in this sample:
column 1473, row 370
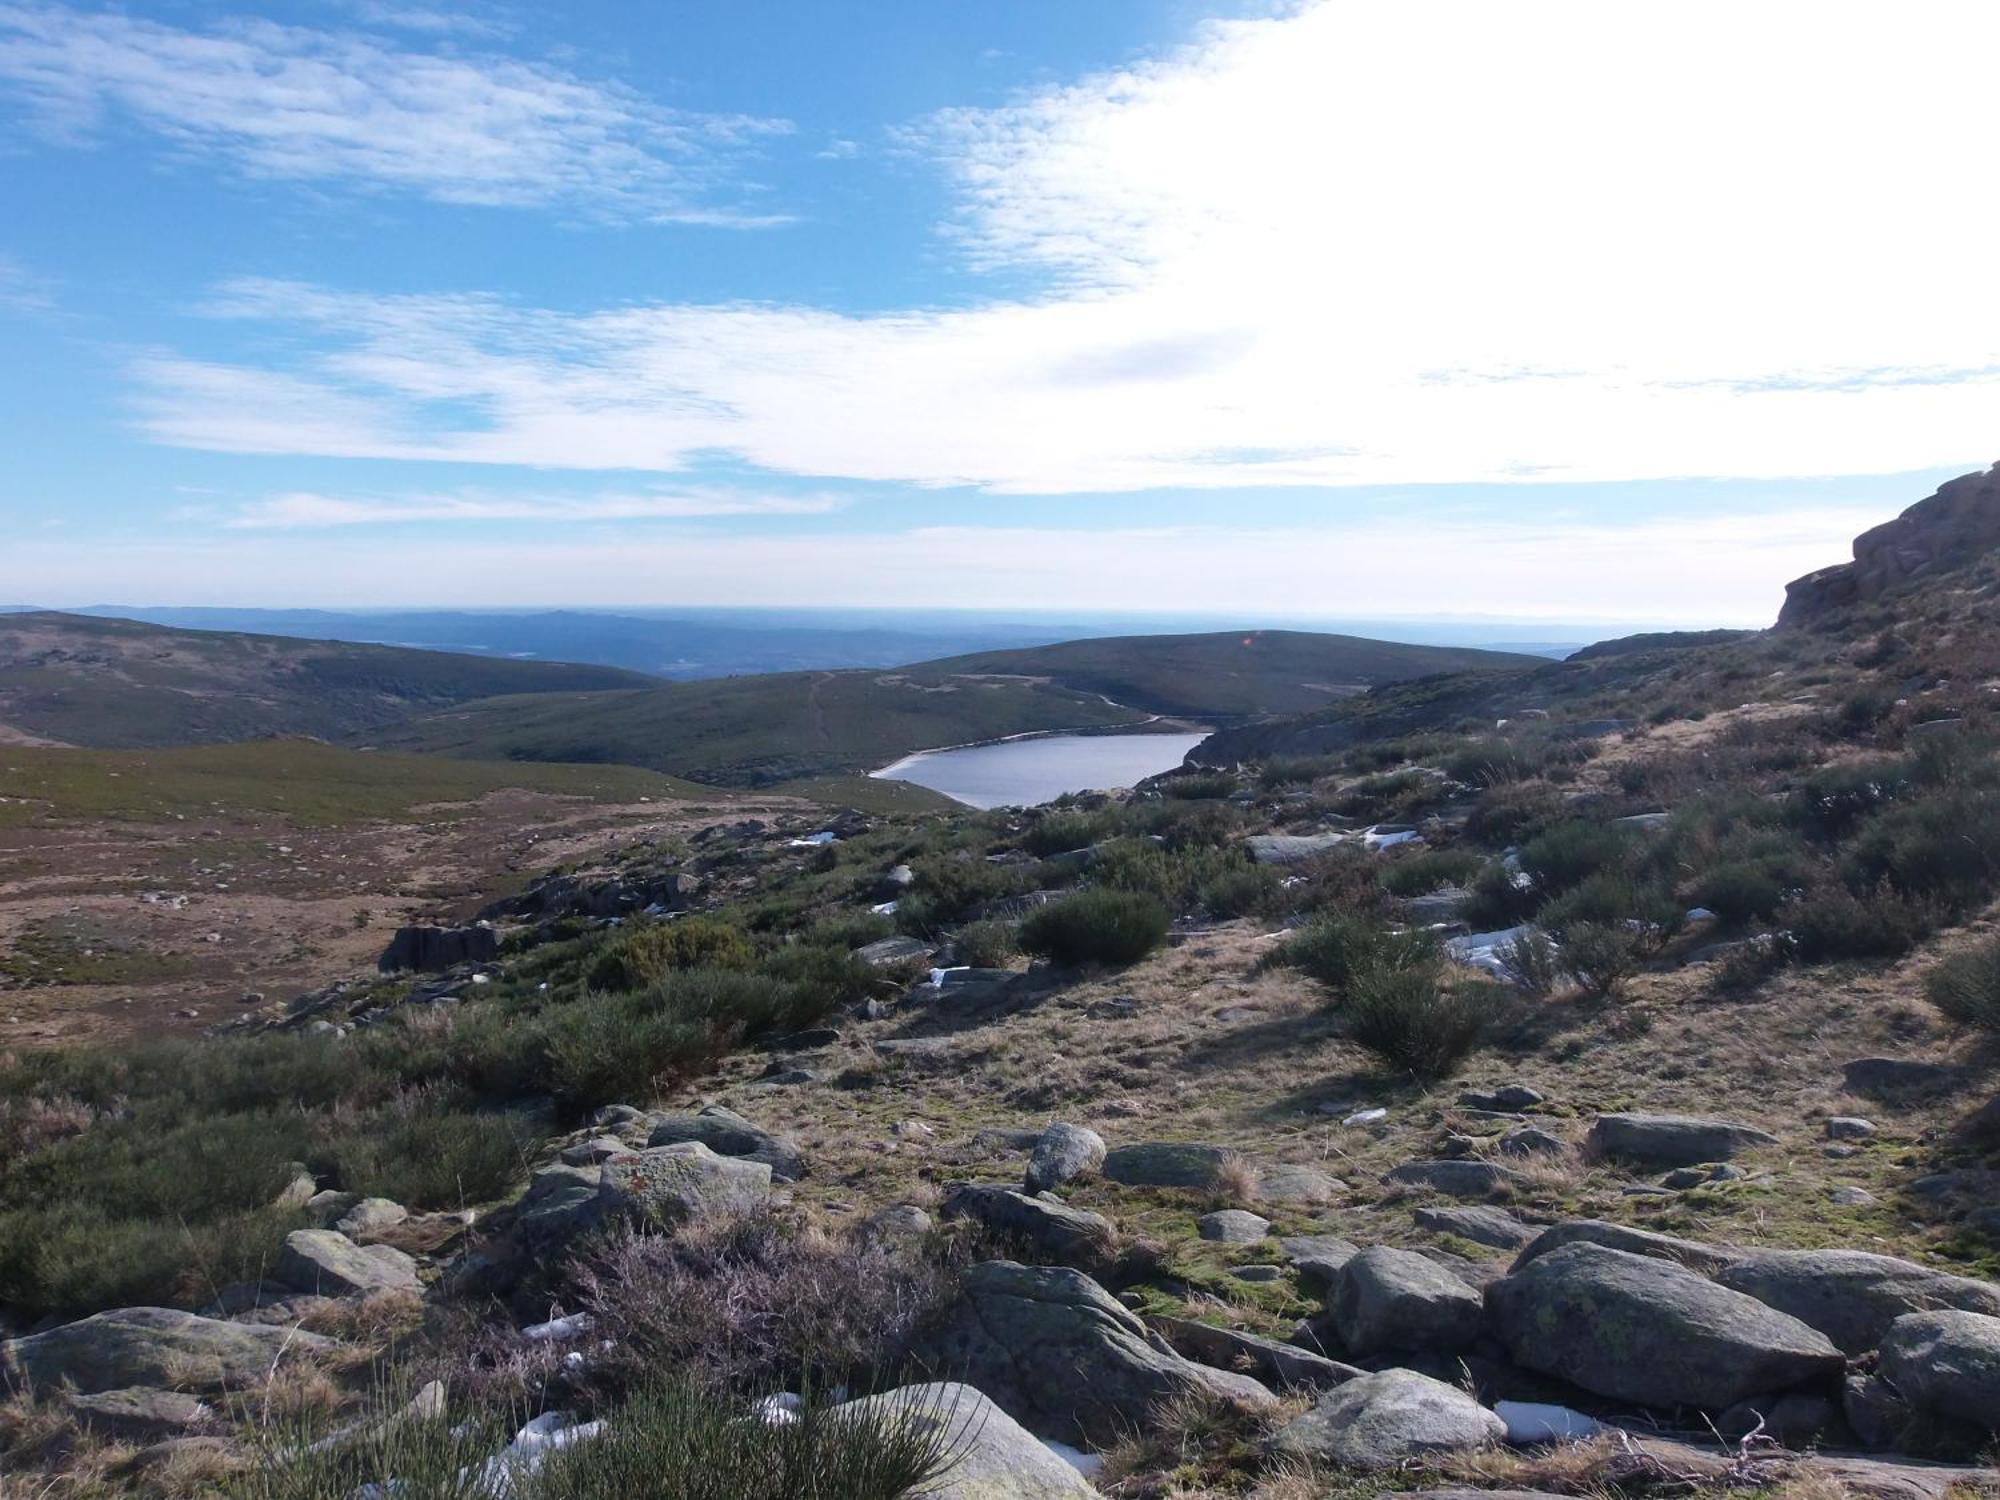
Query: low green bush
column 1096, row 926
column 1600, row 958
column 1966, row 988
column 648, row 952
column 1613, row 898
column 986, row 945
column 1570, row 853
column 1337, row 949
column 1240, row 891
column 1415, row 1022
column 1430, row 870
column 1831, row 922
column 1199, row 786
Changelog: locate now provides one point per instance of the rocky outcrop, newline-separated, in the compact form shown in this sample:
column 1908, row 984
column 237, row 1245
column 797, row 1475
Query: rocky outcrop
column 1285, row 1366
column 1184, row 1164
column 433, row 949
column 1851, row 1296
column 1635, row 1328
column 1707, row 1259
column 1945, row 531
column 1059, row 1354
column 665, row 1187
column 1382, row 1420
column 992, row 1457
column 153, row 1347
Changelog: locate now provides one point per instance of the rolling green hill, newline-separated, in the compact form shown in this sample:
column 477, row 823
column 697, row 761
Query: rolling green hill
column 116, row 684
column 1229, row 674
column 759, row 731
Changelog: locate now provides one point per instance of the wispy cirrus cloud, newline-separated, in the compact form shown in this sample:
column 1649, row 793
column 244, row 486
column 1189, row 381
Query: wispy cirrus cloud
column 1366, row 242
column 303, row 510
column 294, row 103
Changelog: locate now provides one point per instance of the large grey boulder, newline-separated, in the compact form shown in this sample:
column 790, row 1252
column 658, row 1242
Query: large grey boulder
column 664, row 1187
column 1380, row 1421
column 438, row 948
column 1183, row 1164
column 1317, row 1258
column 1947, row 1364
column 1674, row 1140
column 1059, row 1354
column 137, row 1414
column 890, row 952
column 727, row 1133
column 560, row 1203
column 370, row 1217
column 1233, row 1226
column 1386, row 1298
column 1636, row 1328
column 1851, row 1296
column 1042, row 1228
column 993, row 1457
column 1062, row 1154
column 1708, row 1259
column 153, row 1346
column 1296, row 1183
column 1291, row 848
column 327, row 1262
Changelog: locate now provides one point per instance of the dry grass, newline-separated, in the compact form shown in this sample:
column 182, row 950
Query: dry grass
column 1236, row 1181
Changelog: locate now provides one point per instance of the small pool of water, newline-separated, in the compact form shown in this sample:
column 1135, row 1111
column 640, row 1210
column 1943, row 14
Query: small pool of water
column 1025, row 773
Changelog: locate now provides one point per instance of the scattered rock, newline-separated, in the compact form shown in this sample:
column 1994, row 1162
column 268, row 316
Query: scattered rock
column 1481, row 1225
column 1880, row 1077
column 1283, row 1365
column 1696, row 1256
column 727, row 1133
column 890, row 952
column 1055, row 1351
column 897, row 1222
column 137, row 1414
column 1851, row 1197
column 1636, row 1328
column 1045, row 1227
column 1182, row 1164
column 593, row 1152
column 1946, row 1364
column 1877, row 1415
column 327, row 1262
column 1674, row 1140
column 1532, row 1140
column 370, row 1217
column 1062, row 1154
column 1317, row 1258
column 1454, row 1178
column 1851, row 1296
column 1258, row 1273
column 153, row 1347
column 1386, row 1298
column 1291, row 848
column 1380, row 1421
column 1849, row 1128
column 1232, row 1226
column 668, row 1186
column 991, row 1454
column 1288, row 1182
column 1794, row 1420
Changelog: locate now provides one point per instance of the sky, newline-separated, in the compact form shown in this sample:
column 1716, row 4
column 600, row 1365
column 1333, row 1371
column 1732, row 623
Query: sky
column 1549, row 310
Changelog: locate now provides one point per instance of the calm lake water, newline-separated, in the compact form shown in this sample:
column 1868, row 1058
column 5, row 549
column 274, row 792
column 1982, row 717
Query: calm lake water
column 1022, row 773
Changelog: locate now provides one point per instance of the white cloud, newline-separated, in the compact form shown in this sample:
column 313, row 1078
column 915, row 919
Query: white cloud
column 306, row 510
column 289, row 102
column 1371, row 241
column 1722, row 570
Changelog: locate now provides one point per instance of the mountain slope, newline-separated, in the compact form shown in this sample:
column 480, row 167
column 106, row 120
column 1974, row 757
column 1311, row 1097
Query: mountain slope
column 1229, row 673
column 116, row 684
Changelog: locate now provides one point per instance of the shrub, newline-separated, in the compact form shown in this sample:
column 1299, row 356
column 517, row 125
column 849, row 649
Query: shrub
column 1096, row 926
column 1943, row 848
column 1966, row 988
column 1060, row 830
column 429, row 1157
column 1531, row 963
column 1601, row 958
column 1508, row 813
column 1499, row 900
column 1742, row 891
column 1429, row 870
column 1240, row 891
column 1570, row 853
column 1835, row 800
column 647, row 953
column 1338, row 949
column 849, row 931
column 1414, row 1022
column 986, row 945
column 1612, row 898
column 1832, row 922
column 820, row 978
column 1199, row 786
column 1296, row 770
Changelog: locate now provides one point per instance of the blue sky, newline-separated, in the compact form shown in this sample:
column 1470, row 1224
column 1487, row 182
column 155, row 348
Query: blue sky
column 1359, row 308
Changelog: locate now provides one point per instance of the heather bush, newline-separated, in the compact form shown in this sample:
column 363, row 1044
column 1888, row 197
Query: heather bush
column 1966, row 988
column 1338, row 949
column 1096, row 926
column 1601, row 958
column 1415, row 1022
column 649, row 951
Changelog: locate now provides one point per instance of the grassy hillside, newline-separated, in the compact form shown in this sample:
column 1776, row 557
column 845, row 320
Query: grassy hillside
column 117, row 684
column 1229, row 673
column 757, row 731
column 308, row 783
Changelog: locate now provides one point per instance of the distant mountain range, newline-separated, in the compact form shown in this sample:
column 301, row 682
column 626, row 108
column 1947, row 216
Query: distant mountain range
column 687, row 645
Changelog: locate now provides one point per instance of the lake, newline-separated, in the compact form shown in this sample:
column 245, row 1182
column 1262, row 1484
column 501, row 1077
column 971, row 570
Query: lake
column 1023, row 773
